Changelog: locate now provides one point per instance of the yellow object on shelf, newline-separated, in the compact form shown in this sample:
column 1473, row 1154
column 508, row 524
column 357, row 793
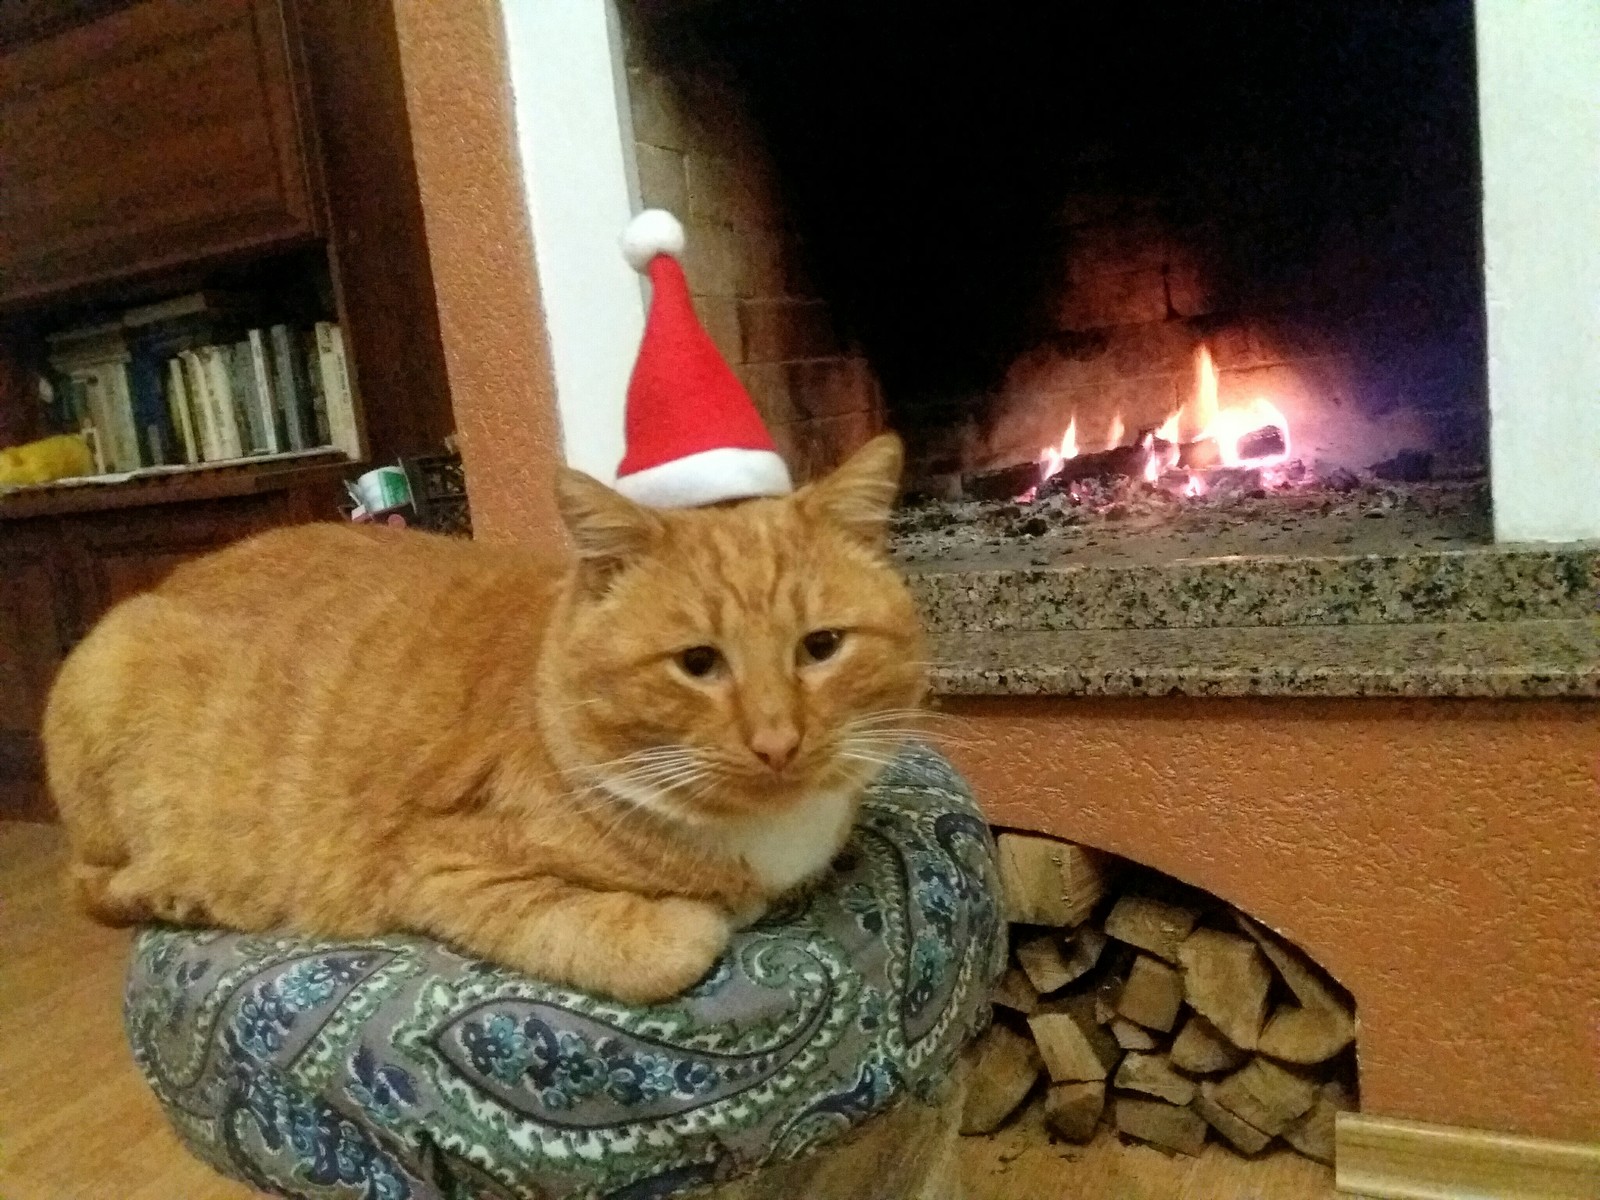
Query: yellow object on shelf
column 59, row 457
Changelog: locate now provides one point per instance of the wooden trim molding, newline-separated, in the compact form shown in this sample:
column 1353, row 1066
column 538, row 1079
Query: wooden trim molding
column 1388, row 1159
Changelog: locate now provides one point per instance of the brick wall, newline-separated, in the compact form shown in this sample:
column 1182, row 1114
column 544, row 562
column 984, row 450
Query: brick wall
column 701, row 156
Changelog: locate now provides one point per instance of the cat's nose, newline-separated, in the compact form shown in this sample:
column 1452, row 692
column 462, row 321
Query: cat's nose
column 775, row 745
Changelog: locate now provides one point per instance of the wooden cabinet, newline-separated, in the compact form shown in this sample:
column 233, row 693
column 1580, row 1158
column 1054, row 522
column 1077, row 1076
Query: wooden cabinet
column 150, row 148
column 61, row 570
column 33, row 631
column 168, row 132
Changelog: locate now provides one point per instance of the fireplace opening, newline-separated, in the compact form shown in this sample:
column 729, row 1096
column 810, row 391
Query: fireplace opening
column 1140, row 257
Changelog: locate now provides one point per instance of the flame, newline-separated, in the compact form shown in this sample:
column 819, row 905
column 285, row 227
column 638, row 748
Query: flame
column 1052, row 458
column 1200, row 417
column 1197, row 416
column 1234, row 424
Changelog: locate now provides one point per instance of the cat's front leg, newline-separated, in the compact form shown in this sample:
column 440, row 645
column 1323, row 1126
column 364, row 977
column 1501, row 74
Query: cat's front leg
column 630, row 947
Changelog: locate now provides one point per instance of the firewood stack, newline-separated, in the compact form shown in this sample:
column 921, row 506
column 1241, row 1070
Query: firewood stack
column 1134, row 1001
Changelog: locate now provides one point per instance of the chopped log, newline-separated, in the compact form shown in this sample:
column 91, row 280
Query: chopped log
column 1317, row 1028
column 1225, row 980
column 1074, row 1047
column 1161, row 1124
column 1115, row 964
column 1048, row 882
column 1152, row 995
column 1313, row 1133
column 1265, row 1095
column 1043, row 963
column 1084, row 953
column 1151, row 924
column 1130, row 1036
column 1238, row 1132
column 1153, row 1075
column 1201, row 1050
column 1015, row 992
column 1005, row 1066
column 1072, row 1111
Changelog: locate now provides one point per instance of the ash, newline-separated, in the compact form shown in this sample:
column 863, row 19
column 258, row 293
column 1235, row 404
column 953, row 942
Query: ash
column 1123, row 520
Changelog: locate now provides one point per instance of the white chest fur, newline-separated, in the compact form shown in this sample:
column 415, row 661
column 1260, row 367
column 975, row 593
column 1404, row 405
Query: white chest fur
column 787, row 848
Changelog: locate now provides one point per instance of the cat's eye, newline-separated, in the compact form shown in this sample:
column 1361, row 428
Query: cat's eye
column 821, row 645
column 699, row 661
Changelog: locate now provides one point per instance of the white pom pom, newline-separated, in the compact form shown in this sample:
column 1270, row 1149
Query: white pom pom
column 654, row 231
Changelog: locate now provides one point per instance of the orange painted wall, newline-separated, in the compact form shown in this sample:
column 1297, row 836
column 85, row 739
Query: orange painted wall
column 458, row 97
column 1442, row 858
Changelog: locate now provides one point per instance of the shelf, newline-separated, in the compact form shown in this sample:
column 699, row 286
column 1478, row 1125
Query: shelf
column 176, row 487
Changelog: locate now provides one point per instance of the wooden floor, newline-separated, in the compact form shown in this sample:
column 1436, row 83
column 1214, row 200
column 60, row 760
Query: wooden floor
column 76, row 1122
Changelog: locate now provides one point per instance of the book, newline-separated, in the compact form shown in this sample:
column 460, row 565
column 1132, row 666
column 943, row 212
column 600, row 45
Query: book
column 247, row 409
column 181, row 413
column 158, row 438
column 344, row 431
column 277, row 436
column 110, row 410
column 206, row 304
column 199, row 389
column 319, row 395
column 215, row 364
column 289, row 382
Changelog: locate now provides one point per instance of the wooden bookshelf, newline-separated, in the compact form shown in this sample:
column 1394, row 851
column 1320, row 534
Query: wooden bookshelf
column 156, row 147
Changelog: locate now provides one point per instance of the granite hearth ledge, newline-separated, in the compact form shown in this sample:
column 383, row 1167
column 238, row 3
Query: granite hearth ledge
column 1064, row 619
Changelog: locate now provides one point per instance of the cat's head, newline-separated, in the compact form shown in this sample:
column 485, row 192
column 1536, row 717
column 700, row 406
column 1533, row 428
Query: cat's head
column 720, row 661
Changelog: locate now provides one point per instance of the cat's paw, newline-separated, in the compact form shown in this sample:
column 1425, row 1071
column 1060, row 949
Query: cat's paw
column 662, row 950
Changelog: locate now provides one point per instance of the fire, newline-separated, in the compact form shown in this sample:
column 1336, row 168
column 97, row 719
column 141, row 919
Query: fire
column 1244, row 435
column 1052, row 458
column 1201, row 418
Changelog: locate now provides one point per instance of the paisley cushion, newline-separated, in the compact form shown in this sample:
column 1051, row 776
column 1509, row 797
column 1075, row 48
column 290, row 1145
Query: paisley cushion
column 394, row 1067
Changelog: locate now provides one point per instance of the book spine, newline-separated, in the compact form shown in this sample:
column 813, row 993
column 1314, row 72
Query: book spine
column 289, row 388
column 343, row 427
column 271, row 415
column 200, row 399
column 178, row 406
column 157, row 438
column 124, row 428
column 247, row 409
column 310, row 365
column 216, row 366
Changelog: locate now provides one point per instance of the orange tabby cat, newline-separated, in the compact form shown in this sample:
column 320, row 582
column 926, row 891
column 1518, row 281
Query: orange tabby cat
column 589, row 771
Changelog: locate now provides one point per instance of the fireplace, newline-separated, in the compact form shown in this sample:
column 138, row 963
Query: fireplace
column 1235, row 244
column 1259, row 688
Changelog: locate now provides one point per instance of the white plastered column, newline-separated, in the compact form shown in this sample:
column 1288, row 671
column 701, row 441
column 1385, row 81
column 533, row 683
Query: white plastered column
column 1539, row 109
column 575, row 137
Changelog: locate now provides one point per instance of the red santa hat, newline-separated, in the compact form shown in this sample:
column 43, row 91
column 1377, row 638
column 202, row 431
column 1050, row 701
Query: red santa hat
column 693, row 435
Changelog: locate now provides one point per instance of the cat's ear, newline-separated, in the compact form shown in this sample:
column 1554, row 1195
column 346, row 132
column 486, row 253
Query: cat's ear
column 608, row 530
column 860, row 494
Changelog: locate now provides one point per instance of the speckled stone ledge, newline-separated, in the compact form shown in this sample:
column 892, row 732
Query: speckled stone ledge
column 1483, row 584
column 1305, row 616
column 1520, row 659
